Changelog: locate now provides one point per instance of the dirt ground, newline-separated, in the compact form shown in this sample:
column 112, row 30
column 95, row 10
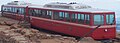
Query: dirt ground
column 12, row 32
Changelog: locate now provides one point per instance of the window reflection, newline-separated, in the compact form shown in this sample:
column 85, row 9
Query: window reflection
column 109, row 19
column 98, row 19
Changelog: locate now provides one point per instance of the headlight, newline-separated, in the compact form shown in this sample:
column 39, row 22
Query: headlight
column 106, row 30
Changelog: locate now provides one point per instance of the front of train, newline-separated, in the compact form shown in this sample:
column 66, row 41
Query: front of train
column 104, row 24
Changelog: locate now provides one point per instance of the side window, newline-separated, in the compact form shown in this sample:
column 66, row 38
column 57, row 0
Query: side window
column 44, row 13
column 36, row 13
column 30, row 12
column 67, row 17
column 11, row 9
column 73, row 17
column 87, row 19
column 4, row 8
column 98, row 19
column 109, row 18
column 56, row 15
column 61, row 16
column 18, row 10
column 49, row 14
column 8, row 9
column 15, row 10
column 22, row 10
column 39, row 13
column 81, row 18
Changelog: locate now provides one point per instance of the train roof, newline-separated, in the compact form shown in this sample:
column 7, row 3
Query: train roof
column 76, row 7
column 91, row 10
column 18, row 4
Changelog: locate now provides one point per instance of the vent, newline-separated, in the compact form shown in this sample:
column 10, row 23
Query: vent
column 18, row 3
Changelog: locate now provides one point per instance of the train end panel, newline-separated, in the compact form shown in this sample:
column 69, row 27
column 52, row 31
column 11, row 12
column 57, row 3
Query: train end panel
column 104, row 33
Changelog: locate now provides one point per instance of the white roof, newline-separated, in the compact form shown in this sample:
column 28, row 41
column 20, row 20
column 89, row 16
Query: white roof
column 91, row 10
column 67, row 5
column 18, row 3
column 73, row 5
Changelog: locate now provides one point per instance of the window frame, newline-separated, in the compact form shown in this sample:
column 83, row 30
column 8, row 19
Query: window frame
column 101, row 15
column 109, row 19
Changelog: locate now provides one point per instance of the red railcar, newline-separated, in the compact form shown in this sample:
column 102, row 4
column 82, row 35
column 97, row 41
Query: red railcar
column 72, row 19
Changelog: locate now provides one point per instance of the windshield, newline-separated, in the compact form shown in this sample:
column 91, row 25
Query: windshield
column 100, row 19
column 109, row 19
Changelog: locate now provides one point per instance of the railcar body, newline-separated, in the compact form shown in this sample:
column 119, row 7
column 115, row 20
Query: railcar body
column 72, row 19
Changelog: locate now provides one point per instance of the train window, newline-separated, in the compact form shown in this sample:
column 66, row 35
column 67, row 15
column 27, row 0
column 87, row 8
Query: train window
column 87, row 19
column 56, row 16
column 67, row 17
column 109, row 18
column 81, row 18
column 44, row 13
column 4, row 8
column 18, row 10
column 7, row 9
column 61, row 15
column 39, row 13
column 49, row 13
column 22, row 10
column 36, row 12
column 15, row 9
column 30, row 12
column 33, row 12
column 73, row 17
column 98, row 19
column 12, row 9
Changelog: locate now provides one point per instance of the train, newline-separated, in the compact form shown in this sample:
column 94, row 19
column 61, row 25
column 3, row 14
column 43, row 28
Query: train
column 73, row 19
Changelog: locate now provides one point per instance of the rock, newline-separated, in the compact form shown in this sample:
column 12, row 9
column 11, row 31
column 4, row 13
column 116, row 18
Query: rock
column 13, row 27
column 8, row 23
column 34, row 31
